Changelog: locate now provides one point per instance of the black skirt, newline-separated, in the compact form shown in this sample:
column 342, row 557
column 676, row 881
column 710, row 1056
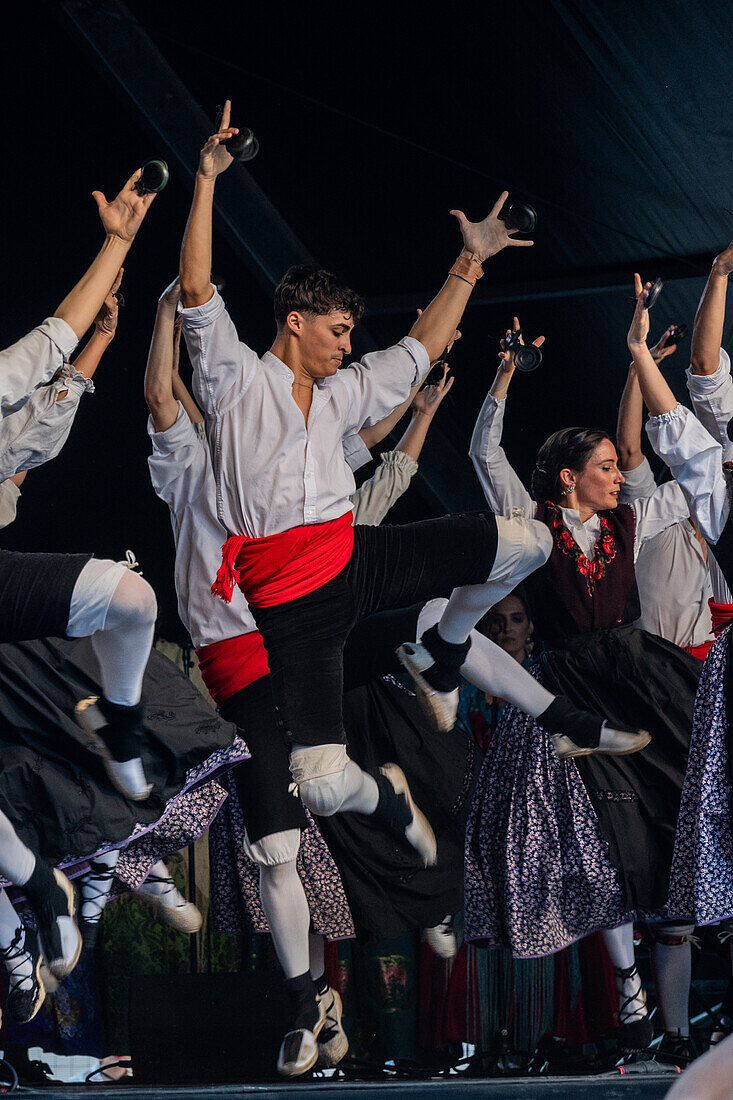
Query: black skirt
column 53, row 787
column 633, row 677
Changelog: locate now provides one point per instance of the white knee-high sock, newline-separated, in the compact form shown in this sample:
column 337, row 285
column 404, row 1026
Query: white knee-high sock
column 317, row 955
column 10, row 922
column 491, row 669
column 123, row 647
column 620, row 946
column 524, row 545
column 286, row 909
column 672, row 967
column 16, row 860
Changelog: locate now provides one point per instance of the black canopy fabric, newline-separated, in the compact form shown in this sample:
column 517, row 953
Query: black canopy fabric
column 612, row 119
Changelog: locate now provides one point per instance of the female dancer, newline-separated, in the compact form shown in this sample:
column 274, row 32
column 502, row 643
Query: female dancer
column 509, row 625
column 558, row 849
column 701, row 883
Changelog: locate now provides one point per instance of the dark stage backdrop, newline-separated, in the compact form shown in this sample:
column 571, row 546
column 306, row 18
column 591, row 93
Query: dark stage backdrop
column 615, row 121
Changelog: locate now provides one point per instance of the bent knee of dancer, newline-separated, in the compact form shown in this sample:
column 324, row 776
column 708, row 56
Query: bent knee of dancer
column 134, row 601
column 275, row 849
column 524, row 545
column 320, row 772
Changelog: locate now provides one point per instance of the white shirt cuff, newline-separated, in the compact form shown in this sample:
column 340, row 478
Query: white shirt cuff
column 203, row 315
column 677, row 413
column 400, row 460
column 181, row 433
column 700, row 384
column 356, row 452
column 419, row 354
column 61, row 334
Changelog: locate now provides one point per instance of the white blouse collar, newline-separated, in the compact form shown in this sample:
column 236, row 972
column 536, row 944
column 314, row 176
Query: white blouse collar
column 571, row 517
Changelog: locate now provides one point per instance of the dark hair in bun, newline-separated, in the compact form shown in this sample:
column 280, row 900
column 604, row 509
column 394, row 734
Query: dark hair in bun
column 568, row 449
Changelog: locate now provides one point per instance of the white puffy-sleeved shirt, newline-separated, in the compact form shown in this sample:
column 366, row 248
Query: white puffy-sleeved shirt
column 696, row 461
column 33, row 360
column 182, row 476
column 712, row 400
column 675, row 573
column 272, row 471
column 38, row 430
column 507, row 496
column 181, row 473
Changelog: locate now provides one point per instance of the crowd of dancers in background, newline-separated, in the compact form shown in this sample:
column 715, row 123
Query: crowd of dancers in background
column 604, row 795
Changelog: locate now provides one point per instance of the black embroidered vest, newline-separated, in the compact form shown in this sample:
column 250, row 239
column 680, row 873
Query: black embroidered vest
column 571, row 595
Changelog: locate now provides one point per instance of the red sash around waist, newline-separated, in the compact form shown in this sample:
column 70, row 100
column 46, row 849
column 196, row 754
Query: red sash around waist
column 282, row 567
column 699, row 651
column 722, row 614
column 232, row 664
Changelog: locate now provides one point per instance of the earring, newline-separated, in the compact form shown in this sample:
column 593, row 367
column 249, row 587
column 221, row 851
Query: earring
column 568, row 489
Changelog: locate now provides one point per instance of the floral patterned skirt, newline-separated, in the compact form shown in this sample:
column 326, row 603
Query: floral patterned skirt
column 235, row 880
column 556, row 849
column 701, row 883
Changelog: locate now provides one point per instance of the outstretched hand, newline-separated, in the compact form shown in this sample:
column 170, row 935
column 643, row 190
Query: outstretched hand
column 106, row 320
column 662, row 349
column 506, row 357
column 639, row 329
column 489, row 236
column 215, row 158
column 428, row 399
column 123, row 216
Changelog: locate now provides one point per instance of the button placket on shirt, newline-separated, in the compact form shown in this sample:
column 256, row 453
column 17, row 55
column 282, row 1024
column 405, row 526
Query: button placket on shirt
column 309, row 476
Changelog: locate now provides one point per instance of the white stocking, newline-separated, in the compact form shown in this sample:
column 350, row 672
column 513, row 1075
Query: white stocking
column 491, row 669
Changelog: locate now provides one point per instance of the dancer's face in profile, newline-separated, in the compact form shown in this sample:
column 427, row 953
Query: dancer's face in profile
column 597, row 486
column 323, row 341
column 510, row 627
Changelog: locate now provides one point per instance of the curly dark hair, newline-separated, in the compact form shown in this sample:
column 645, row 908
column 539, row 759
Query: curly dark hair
column 309, row 289
column 568, row 449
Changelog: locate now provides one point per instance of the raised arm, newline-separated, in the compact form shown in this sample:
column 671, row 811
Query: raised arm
column 677, row 436
column 631, row 415
column 629, row 424
column 424, row 407
column 38, row 430
column 707, row 333
column 374, row 434
column 121, row 219
column 481, row 240
column 658, row 397
column 196, row 248
column 181, row 391
column 105, row 328
column 159, row 394
column 377, row 495
column 502, row 488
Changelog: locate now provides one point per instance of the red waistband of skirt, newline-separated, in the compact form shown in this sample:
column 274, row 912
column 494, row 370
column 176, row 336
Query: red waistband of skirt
column 282, row 567
column 232, row 664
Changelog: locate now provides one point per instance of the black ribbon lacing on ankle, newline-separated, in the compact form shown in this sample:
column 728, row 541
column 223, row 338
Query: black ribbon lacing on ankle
column 14, row 956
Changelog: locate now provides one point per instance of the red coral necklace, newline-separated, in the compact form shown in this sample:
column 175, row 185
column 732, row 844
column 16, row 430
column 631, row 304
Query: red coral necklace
column 593, row 569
